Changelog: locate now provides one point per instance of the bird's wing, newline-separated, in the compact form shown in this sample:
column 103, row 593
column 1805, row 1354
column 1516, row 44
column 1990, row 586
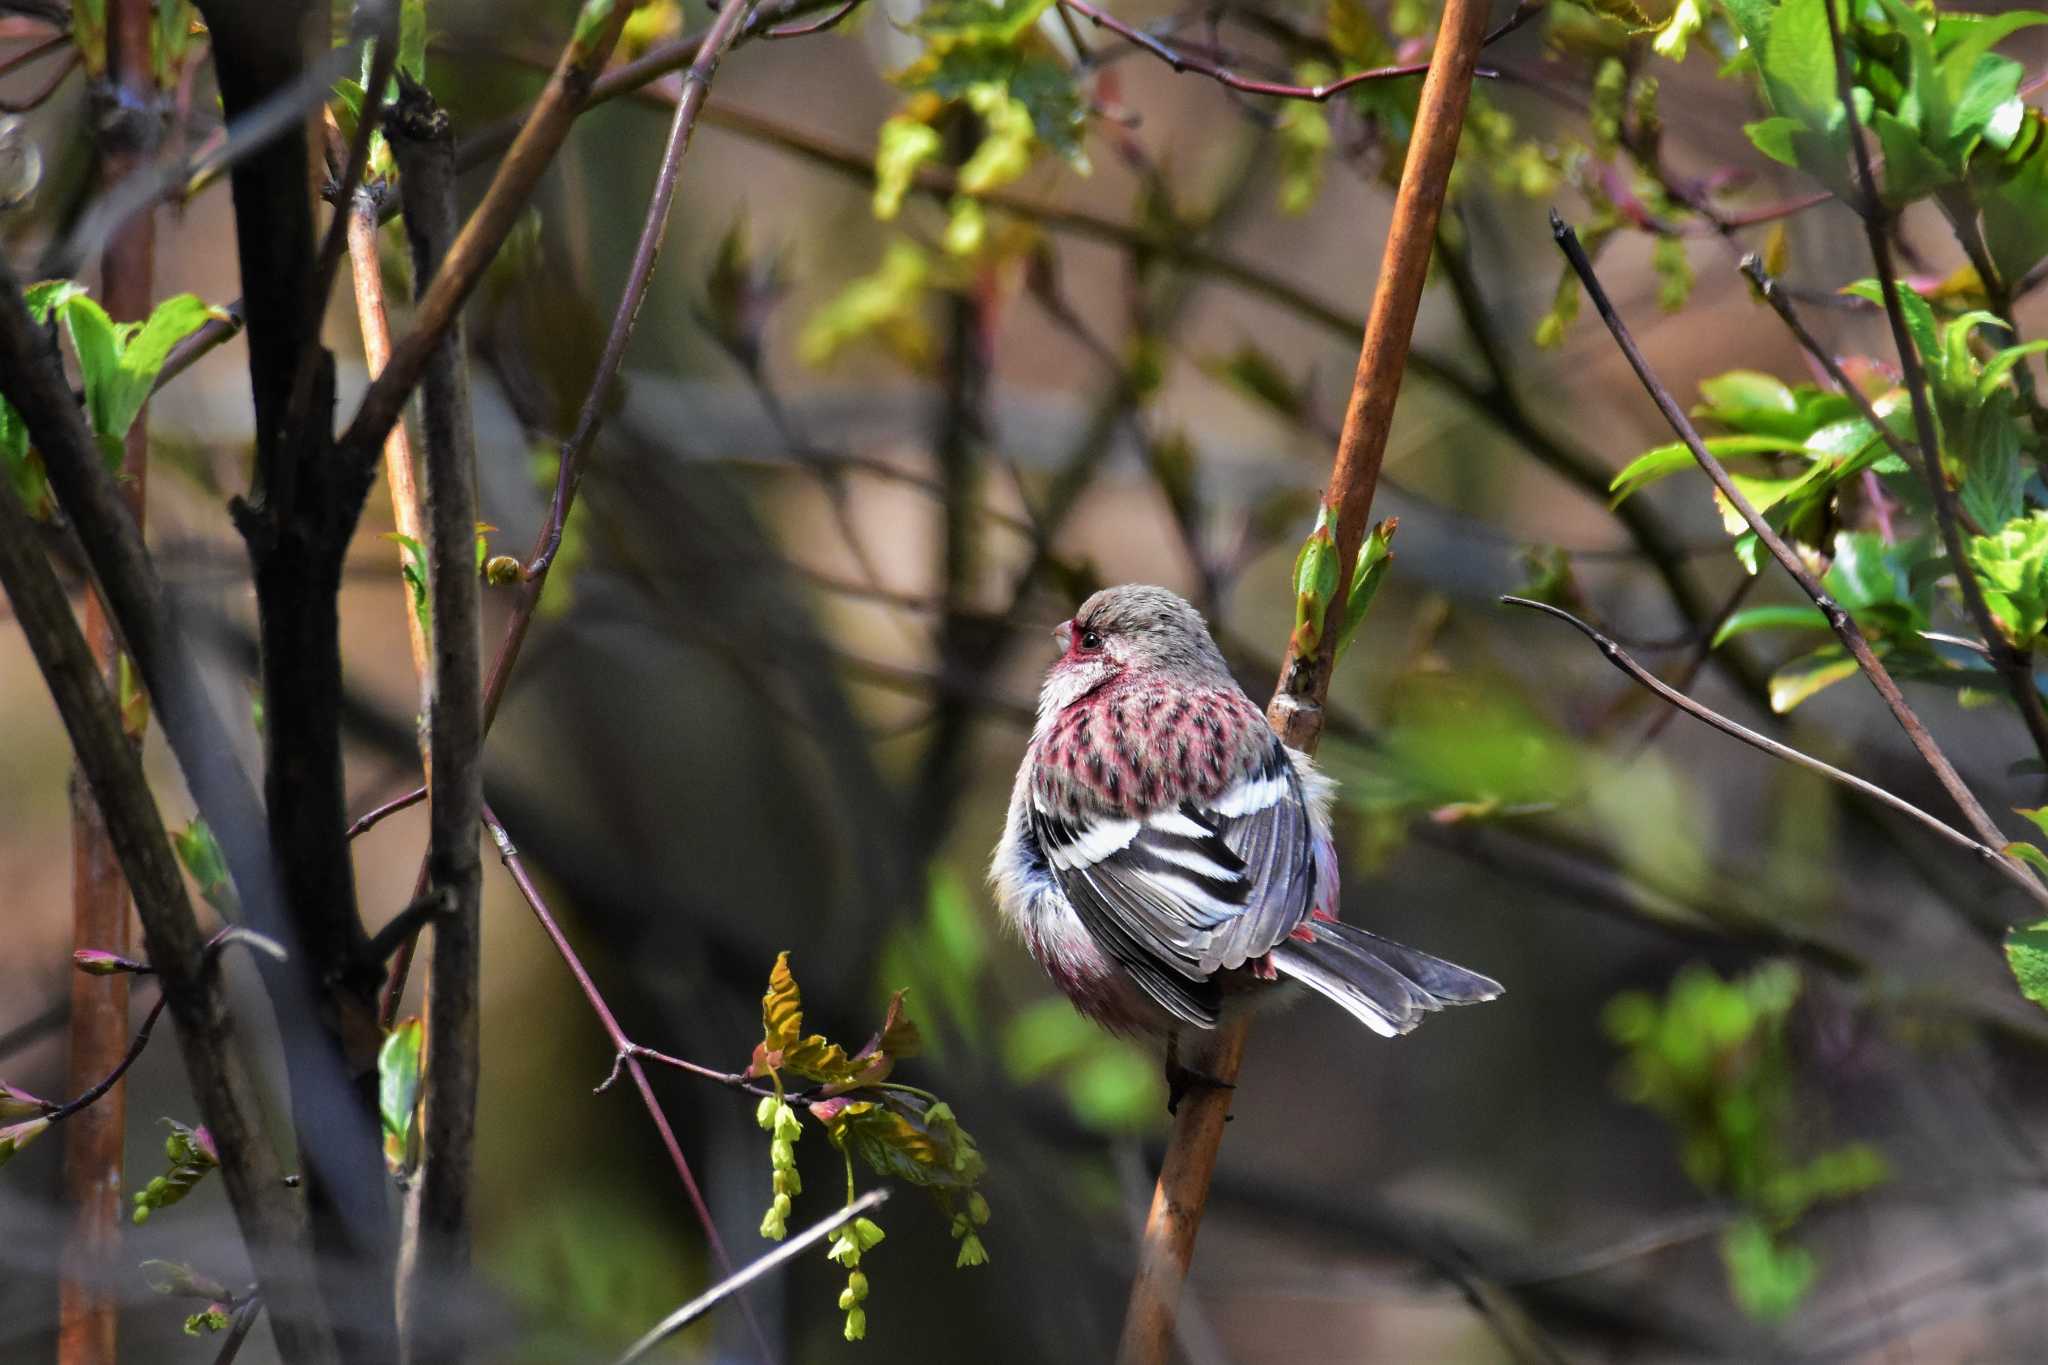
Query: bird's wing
column 1191, row 888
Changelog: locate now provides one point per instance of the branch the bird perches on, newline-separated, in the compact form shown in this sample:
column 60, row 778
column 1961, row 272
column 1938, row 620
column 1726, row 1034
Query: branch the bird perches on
column 1296, row 711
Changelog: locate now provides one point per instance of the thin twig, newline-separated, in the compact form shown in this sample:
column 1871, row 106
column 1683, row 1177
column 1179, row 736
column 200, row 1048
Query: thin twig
column 1775, row 295
column 1296, row 711
column 376, row 814
column 1620, row 659
column 93, row 1092
column 48, row 88
column 732, row 1284
column 1224, row 76
column 622, row 1046
column 2015, row 665
column 1838, row 619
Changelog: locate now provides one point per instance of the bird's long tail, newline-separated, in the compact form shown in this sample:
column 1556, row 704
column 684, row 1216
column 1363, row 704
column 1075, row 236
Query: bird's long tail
column 1386, row 986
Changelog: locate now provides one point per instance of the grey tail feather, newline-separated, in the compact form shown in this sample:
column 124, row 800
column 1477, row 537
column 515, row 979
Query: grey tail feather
column 1386, row 986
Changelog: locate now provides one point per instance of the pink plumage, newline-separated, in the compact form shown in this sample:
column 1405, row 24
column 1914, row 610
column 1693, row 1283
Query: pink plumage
column 1166, row 856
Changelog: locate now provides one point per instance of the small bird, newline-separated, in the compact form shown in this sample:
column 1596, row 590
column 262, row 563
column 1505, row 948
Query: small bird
column 1167, row 858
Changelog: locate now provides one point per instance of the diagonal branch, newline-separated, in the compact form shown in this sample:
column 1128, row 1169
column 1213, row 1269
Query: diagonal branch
column 532, row 151
column 1620, row 659
column 1296, row 712
column 1839, row 620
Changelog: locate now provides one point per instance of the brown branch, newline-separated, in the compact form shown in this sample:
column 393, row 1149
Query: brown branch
column 1296, row 711
column 272, row 1224
column 1615, row 655
column 376, row 814
column 2014, row 665
column 1838, row 619
column 1181, row 62
column 532, row 151
column 374, row 319
column 88, row 1312
column 92, row 1095
column 437, row 1250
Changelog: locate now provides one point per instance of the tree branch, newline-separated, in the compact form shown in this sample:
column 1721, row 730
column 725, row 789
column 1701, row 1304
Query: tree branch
column 438, row 1221
column 1620, row 659
column 1296, row 711
column 1839, row 620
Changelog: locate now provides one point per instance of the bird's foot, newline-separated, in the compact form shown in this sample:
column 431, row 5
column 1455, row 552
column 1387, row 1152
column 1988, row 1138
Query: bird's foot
column 1180, row 1080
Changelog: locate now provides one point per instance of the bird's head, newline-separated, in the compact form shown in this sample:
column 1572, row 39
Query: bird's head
column 1131, row 631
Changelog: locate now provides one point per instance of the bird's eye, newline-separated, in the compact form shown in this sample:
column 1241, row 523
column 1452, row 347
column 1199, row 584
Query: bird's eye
column 1091, row 639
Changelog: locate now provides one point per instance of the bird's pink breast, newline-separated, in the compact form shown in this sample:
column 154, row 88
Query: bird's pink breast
column 1137, row 746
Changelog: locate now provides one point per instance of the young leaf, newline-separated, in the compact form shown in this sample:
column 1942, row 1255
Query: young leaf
column 1806, row 617
column 398, row 1088
column 1803, row 677
column 2026, row 949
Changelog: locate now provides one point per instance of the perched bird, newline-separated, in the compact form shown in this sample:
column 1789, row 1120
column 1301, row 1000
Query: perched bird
column 1166, row 857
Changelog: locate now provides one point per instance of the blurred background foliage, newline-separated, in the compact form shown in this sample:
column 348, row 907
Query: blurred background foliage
column 971, row 307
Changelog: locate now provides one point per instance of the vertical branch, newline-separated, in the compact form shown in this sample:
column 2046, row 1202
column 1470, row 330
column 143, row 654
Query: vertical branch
column 439, row 1212
column 1296, row 711
column 375, row 321
column 88, row 1312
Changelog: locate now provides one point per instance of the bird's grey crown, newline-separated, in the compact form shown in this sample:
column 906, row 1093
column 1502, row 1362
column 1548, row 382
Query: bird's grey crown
column 1156, row 628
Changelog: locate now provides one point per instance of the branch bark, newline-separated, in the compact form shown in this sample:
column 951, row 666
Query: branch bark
column 438, row 1213
column 1296, row 711
column 88, row 1311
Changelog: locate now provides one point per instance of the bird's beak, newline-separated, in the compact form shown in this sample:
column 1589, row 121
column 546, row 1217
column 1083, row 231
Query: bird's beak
column 1063, row 635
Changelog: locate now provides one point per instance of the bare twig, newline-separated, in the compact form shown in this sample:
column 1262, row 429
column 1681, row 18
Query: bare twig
column 376, row 814
column 1838, row 619
column 93, row 1093
column 1989, row 854
column 1296, row 711
column 2014, row 665
column 1182, row 62
column 623, row 1047
column 1781, row 303
column 733, row 1284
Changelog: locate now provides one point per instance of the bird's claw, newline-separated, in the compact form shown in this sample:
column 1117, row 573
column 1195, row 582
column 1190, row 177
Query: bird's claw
column 1182, row 1079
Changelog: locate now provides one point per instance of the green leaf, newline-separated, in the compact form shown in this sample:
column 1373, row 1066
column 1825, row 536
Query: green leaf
column 2026, row 949
column 143, row 355
column 1799, row 680
column 903, row 145
column 1751, row 401
column 1806, row 617
column 1314, row 583
column 1910, row 171
column 200, row 853
column 45, row 296
column 1919, row 315
column 2012, row 568
column 1664, row 461
column 2013, row 195
column 2032, row 856
column 1798, row 65
column 412, row 39
column 986, row 22
column 885, row 305
column 398, row 1088
column 1995, row 478
column 1776, row 137
column 1769, row 1278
